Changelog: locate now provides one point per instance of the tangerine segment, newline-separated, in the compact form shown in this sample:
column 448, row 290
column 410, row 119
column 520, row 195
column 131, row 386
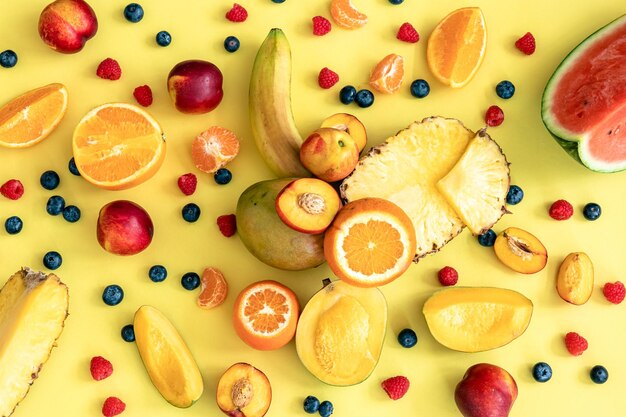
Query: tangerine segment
column 456, row 47
column 386, row 77
column 213, row 289
column 117, row 146
column 345, row 15
column 214, row 148
column 32, row 116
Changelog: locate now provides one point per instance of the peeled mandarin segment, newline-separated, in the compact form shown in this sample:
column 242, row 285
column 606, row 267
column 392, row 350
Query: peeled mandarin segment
column 214, row 148
column 345, row 15
column 213, row 290
column 387, row 75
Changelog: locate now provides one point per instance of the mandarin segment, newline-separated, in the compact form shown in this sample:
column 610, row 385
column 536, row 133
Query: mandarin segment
column 386, row 77
column 346, row 15
column 213, row 289
column 214, row 148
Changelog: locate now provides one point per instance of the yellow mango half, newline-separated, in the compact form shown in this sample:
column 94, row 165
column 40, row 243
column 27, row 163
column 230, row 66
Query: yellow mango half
column 477, row 319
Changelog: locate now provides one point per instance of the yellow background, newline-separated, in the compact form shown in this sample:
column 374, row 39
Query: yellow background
column 198, row 28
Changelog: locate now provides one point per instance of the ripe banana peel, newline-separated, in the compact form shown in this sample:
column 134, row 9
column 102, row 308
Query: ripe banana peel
column 271, row 118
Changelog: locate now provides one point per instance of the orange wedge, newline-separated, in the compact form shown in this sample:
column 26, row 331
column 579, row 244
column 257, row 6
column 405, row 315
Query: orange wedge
column 29, row 118
column 118, row 146
column 345, row 15
column 214, row 148
column 456, row 47
column 386, row 77
column 213, row 289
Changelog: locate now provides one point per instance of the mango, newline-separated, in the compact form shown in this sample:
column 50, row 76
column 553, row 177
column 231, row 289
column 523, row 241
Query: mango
column 574, row 282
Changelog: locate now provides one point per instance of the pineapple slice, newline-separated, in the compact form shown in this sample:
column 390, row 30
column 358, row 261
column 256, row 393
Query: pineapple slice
column 478, row 184
column 33, row 308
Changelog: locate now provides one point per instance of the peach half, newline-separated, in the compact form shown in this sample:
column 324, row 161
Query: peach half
column 244, row 391
column 574, row 282
column 349, row 124
column 520, row 251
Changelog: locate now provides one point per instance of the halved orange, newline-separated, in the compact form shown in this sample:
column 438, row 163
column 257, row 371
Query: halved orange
column 32, row 116
column 456, row 47
column 346, row 15
column 370, row 243
column 266, row 315
column 118, row 146
column 387, row 75
column 213, row 289
column 214, row 148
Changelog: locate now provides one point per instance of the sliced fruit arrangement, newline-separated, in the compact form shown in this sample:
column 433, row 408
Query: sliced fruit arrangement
column 521, row 251
column 584, row 102
column 574, row 281
column 349, row 124
column 244, row 391
column 33, row 309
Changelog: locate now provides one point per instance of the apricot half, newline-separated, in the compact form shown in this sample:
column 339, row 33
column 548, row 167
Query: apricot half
column 574, row 281
column 349, row 124
column 520, row 251
column 244, row 391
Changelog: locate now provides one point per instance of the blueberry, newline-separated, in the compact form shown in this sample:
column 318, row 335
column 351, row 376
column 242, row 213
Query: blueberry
column 190, row 281
column 71, row 214
column 326, row 408
column 128, row 333
column 8, row 59
column 420, row 88
column 72, row 167
column 278, row 1
column 488, row 238
column 311, row 404
column 364, row 98
column 542, row 372
column 52, row 260
column 49, row 180
column 157, row 273
column 347, row 94
column 592, row 211
column 13, row 225
column 407, row 338
column 515, row 195
column 222, row 176
column 505, row 89
column 396, row 1
column 231, row 44
column 55, row 205
column 133, row 12
column 163, row 38
column 191, row 212
column 599, row 374
column 112, row 295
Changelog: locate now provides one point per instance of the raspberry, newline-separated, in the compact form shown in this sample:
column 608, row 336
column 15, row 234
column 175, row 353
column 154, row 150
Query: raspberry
column 561, row 210
column 396, row 386
column 237, row 13
column 109, row 69
column 407, row 33
column 187, row 183
column 327, row 78
column 12, row 189
column 448, row 276
column 494, row 116
column 112, row 406
column 100, row 368
column 143, row 95
column 526, row 44
column 227, row 224
column 575, row 343
column 614, row 292
column 321, row 26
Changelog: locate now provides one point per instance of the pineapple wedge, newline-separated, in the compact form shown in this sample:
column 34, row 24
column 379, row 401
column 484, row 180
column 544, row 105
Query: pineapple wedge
column 33, row 308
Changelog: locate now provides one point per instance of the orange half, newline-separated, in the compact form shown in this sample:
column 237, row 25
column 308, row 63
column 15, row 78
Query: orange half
column 387, row 75
column 346, row 15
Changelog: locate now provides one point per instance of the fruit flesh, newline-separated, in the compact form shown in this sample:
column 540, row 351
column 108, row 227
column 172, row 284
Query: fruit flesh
column 261, row 389
column 520, row 251
column 575, row 278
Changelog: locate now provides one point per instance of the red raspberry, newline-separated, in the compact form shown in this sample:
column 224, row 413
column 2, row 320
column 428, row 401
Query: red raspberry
column 561, row 210
column 407, row 33
column 143, row 95
column 526, row 44
column 448, row 276
column 109, row 69
column 100, row 368
column 321, row 26
column 227, row 224
column 237, row 13
column 575, row 343
column 327, row 78
column 112, row 406
column 494, row 116
column 614, row 292
column 12, row 189
column 396, row 386
column 187, row 183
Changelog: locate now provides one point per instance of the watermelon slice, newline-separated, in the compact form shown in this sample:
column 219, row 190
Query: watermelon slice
column 584, row 102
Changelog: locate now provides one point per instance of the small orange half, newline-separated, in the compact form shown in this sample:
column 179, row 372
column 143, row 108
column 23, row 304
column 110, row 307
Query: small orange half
column 387, row 75
column 457, row 45
column 32, row 116
column 346, row 15
column 118, row 146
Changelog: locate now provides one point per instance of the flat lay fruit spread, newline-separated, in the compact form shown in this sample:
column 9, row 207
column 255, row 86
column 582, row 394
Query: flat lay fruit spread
column 332, row 207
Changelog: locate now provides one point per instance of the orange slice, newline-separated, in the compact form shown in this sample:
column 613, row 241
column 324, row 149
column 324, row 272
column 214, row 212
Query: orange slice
column 345, row 15
column 456, row 47
column 31, row 117
column 117, row 146
column 386, row 77
column 213, row 289
column 266, row 314
column 214, row 148
column 370, row 243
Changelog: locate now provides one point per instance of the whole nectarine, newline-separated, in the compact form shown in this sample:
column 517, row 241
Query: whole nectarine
column 124, row 228
column 195, row 86
column 65, row 25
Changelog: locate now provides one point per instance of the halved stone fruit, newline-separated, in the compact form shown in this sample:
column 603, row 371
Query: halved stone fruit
column 477, row 319
column 574, row 281
column 349, row 124
column 520, row 251
column 244, row 391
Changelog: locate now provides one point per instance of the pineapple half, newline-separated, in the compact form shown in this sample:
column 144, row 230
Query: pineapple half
column 443, row 175
column 33, row 308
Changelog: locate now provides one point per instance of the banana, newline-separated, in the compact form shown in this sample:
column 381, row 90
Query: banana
column 271, row 118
